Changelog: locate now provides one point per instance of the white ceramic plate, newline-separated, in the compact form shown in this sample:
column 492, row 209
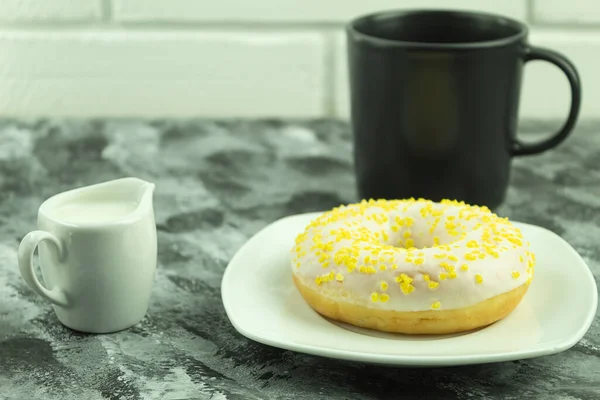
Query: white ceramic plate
column 264, row 305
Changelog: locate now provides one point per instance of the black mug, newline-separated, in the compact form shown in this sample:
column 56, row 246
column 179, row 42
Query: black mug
column 434, row 103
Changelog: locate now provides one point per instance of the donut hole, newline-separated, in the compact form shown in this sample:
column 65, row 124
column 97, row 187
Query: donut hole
column 415, row 226
column 421, row 235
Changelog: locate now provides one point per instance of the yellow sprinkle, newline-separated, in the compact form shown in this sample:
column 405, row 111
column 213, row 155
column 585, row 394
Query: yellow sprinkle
column 426, row 278
column 464, row 267
column 470, row 257
column 384, row 297
column 384, row 286
column 419, row 261
column 521, row 258
column 407, row 234
column 452, row 275
column 407, row 288
column 515, row 241
column 452, row 257
column 472, row 244
column 339, row 277
column 443, row 276
column 374, row 297
column 318, row 280
column 436, row 305
column 406, row 278
column 440, row 255
column 409, row 243
column 436, row 240
column 478, row 279
column 382, row 267
column 433, row 285
column 385, row 236
column 516, row 274
column 394, row 266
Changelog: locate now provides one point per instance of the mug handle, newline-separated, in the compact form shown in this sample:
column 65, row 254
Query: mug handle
column 25, row 256
column 566, row 66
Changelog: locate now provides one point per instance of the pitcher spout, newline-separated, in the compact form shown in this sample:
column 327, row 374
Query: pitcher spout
column 134, row 190
column 147, row 195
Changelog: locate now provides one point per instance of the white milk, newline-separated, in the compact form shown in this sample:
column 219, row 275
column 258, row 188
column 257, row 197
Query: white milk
column 93, row 212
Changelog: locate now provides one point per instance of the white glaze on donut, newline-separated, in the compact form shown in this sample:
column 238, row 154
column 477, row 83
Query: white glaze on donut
column 412, row 255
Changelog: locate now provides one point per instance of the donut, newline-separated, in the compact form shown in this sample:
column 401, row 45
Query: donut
column 412, row 266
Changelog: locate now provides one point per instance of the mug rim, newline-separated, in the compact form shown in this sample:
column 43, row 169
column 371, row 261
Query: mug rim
column 522, row 29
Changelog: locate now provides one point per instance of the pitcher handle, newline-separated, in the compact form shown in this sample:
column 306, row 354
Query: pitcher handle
column 26, row 249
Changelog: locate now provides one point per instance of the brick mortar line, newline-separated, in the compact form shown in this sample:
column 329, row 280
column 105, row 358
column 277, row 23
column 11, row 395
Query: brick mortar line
column 107, row 12
column 175, row 26
column 567, row 26
column 530, row 11
column 212, row 26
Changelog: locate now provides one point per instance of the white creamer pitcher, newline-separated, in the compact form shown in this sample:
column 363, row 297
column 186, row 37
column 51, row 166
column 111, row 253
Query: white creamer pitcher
column 97, row 251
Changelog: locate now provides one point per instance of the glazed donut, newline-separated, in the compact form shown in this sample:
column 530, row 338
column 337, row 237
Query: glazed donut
column 412, row 266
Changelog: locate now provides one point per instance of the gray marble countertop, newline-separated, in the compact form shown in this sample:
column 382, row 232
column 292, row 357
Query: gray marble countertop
column 219, row 182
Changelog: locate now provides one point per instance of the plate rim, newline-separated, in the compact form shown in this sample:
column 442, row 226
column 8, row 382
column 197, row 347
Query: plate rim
column 406, row 360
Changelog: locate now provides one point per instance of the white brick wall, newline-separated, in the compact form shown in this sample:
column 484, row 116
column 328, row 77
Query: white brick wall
column 143, row 72
column 337, row 11
column 273, row 58
column 50, row 10
column 572, row 12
